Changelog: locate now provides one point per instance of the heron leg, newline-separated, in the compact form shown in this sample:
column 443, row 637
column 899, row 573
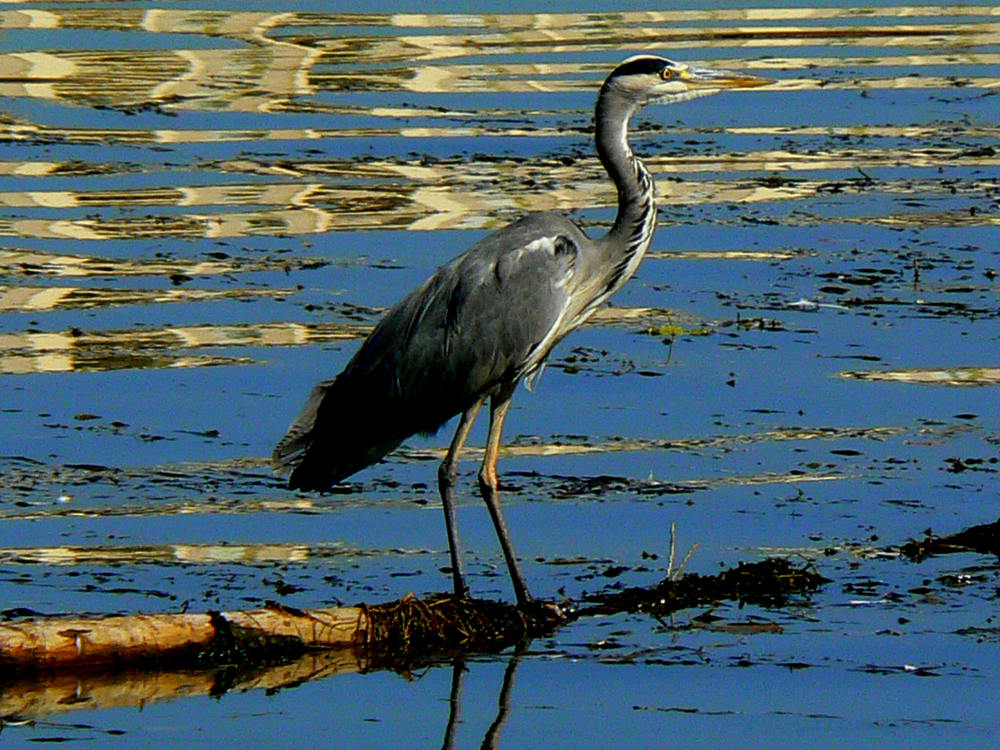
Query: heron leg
column 446, row 485
column 499, row 406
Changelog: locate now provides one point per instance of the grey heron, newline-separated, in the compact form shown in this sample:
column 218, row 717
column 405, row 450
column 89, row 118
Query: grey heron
column 486, row 320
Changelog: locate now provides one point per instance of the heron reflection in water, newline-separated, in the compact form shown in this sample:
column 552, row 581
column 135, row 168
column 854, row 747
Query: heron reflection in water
column 486, row 320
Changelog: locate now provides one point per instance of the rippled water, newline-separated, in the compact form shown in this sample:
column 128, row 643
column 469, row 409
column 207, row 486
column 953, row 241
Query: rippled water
column 202, row 209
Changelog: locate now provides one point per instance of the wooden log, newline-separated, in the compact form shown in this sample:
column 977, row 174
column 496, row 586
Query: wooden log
column 384, row 635
column 74, row 642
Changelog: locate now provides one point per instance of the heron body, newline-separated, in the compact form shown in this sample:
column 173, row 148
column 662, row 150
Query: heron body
column 486, row 320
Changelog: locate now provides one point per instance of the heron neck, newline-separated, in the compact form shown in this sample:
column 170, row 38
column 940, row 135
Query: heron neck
column 636, row 220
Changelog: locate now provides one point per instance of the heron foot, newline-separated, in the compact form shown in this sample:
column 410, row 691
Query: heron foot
column 540, row 615
column 462, row 589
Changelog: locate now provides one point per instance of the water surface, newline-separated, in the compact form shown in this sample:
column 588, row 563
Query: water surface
column 203, row 209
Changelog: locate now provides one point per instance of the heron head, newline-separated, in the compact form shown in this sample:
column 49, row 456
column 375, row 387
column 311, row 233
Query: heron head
column 646, row 79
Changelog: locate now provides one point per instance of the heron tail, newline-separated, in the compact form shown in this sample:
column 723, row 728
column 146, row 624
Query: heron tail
column 330, row 439
column 289, row 453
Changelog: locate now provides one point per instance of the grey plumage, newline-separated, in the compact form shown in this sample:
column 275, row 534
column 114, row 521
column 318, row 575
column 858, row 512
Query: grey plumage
column 478, row 322
column 486, row 320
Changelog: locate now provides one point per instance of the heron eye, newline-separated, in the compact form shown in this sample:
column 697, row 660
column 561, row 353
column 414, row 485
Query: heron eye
column 667, row 73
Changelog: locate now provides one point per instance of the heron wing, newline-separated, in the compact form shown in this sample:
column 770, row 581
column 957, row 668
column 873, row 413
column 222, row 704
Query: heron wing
column 488, row 318
column 484, row 320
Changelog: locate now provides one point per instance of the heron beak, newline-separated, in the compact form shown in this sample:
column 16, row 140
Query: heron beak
column 705, row 78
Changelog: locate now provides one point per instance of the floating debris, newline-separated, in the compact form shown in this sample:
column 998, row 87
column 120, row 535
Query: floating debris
column 984, row 538
column 770, row 582
column 808, row 305
column 954, row 376
column 446, row 624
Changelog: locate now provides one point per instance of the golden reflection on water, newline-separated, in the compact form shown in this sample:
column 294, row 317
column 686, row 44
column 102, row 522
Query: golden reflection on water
column 36, row 263
column 193, row 79
column 438, row 210
column 296, row 62
column 416, row 183
column 949, row 376
column 147, row 348
column 284, row 60
column 38, row 695
column 434, row 200
column 85, row 350
column 35, row 299
column 188, row 480
column 696, row 444
column 201, row 554
column 28, row 133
